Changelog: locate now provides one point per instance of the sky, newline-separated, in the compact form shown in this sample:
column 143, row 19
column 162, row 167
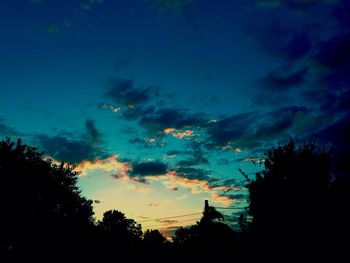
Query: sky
column 159, row 103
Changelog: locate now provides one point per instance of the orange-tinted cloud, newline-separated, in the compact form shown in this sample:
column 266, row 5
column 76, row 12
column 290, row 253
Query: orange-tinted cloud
column 171, row 180
column 179, row 134
column 110, row 164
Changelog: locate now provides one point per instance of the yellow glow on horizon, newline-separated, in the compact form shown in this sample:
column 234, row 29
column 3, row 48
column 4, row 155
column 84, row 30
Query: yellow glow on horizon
column 149, row 197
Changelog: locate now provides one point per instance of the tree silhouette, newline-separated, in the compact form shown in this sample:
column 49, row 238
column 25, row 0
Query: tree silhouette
column 41, row 206
column 118, row 232
column 153, row 238
column 289, row 200
column 210, row 214
column 209, row 234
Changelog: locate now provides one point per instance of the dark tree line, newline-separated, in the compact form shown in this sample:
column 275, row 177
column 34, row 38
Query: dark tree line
column 295, row 204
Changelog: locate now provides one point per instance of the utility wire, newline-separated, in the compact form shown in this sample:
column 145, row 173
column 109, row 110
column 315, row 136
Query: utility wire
column 174, row 227
column 169, row 217
column 172, row 224
column 233, row 208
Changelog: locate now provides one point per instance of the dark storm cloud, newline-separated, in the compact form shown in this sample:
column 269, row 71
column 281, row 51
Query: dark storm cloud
column 140, row 169
column 72, row 149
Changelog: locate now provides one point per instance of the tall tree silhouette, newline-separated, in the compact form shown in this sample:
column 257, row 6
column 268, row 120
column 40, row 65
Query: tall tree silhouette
column 41, row 206
column 289, row 200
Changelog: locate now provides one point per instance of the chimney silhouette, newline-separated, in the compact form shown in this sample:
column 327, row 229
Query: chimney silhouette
column 206, row 206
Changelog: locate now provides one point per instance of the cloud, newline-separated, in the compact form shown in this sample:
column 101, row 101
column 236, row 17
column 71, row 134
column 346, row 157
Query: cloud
column 68, row 149
column 278, row 86
column 335, row 53
column 195, row 185
column 140, row 169
column 297, row 41
column 123, row 93
column 282, row 80
column 150, row 142
column 186, row 134
column 198, row 153
column 253, row 130
column 170, row 118
column 112, row 165
column 93, row 135
column 193, row 173
column 325, row 52
column 74, row 149
column 231, row 128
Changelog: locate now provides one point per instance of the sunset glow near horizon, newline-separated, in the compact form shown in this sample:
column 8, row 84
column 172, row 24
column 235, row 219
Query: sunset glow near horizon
column 159, row 103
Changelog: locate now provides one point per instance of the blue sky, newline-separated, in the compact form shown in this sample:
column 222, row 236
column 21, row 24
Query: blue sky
column 159, row 102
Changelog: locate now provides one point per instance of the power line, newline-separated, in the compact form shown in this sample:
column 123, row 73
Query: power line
column 174, row 227
column 172, row 224
column 169, row 217
column 233, row 208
